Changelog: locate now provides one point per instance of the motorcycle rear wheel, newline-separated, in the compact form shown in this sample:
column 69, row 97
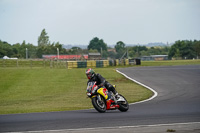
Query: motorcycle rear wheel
column 99, row 103
column 123, row 106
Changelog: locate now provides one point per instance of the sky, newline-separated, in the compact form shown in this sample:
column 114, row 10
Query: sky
column 77, row 22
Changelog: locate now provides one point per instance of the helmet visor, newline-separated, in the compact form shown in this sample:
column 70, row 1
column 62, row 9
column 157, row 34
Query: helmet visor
column 89, row 76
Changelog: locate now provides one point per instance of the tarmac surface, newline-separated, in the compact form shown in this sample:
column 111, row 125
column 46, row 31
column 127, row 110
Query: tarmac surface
column 164, row 128
column 175, row 108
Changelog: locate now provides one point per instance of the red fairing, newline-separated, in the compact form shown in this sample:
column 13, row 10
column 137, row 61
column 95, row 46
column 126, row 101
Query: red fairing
column 108, row 104
column 111, row 107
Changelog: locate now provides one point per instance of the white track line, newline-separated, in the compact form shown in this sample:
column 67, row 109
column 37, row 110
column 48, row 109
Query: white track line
column 155, row 93
column 117, row 127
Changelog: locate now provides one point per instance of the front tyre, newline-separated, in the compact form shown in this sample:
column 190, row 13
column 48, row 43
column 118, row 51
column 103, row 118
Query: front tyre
column 99, row 103
column 123, row 105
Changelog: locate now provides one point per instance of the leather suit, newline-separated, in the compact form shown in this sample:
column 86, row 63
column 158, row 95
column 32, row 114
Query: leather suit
column 100, row 81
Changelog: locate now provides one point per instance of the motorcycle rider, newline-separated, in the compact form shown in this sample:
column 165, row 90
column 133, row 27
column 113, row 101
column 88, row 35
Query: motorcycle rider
column 100, row 81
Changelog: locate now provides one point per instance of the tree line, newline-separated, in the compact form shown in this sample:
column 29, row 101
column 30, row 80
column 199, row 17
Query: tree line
column 181, row 49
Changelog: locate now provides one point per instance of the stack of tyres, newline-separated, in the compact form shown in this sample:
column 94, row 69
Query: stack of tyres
column 127, row 62
column 99, row 63
column 138, row 61
column 105, row 63
column 91, row 63
column 72, row 64
column 111, row 62
column 82, row 64
column 116, row 62
column 87, row 64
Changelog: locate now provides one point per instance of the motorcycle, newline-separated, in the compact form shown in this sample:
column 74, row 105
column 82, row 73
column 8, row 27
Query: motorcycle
column 103, row 100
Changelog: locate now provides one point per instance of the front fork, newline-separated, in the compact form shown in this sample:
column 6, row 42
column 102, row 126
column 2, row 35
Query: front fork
column 99, row 98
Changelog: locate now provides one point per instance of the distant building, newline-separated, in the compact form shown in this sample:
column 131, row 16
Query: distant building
column 160, row 57
column 112, row 50
column 146, row 58
column 154, row 57
column 94, row 56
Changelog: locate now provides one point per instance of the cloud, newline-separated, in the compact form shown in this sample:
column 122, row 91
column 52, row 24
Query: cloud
column 78, row 21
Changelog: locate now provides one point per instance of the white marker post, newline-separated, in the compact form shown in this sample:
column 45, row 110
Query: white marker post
column 26, row 53
column 58, row 52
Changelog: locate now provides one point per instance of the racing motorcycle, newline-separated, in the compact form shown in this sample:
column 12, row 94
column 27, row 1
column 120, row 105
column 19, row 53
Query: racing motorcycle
column 103, row 100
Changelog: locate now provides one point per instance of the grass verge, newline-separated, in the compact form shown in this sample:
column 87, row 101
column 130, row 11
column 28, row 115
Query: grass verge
column 170, row 62
column 44, row 90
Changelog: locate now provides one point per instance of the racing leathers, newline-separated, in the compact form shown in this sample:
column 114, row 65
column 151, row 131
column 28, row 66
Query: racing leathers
column 100, row 81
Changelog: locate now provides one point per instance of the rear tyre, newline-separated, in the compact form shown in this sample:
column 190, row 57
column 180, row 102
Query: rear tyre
column 123, row 105
column 99, row 103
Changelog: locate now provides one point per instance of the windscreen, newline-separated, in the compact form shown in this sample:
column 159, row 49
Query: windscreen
column 90, row 86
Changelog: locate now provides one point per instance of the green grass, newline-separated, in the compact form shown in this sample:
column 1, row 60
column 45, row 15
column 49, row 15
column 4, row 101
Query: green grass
column 170, row 62
column 42, row 90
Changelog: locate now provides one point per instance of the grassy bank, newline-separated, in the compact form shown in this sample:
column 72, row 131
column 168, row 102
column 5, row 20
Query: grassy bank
column 42, row 90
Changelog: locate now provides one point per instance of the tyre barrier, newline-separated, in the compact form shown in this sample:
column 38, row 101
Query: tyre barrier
column 67, row 64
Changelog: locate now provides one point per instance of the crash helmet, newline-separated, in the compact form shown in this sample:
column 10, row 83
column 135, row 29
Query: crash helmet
column 90, row 73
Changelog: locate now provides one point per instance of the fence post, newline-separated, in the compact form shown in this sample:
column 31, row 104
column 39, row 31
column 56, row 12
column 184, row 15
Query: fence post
column 50, row 63
column 17, row 64
column 44, row 63
column 4, row 63
column 31, row 64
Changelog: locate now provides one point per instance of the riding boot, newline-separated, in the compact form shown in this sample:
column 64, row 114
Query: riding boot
column 115, row 93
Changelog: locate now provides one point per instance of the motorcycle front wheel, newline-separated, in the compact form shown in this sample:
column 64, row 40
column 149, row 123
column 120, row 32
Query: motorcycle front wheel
column 99, row 103
column 123, row 105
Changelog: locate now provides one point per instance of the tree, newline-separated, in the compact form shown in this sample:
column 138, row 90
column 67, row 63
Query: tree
column 138, row 51
column 120, row 49
column 197, row 48
column 112, row 54
column 183, row 49
column 16, row 49
column 120, row 46
column 75, row 50
column 5, row 49
column 46, row 48
column 20, row 50
column 43, row 39
column 95, row 43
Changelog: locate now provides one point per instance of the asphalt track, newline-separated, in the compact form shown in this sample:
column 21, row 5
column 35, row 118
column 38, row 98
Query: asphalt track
column 178, row 101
